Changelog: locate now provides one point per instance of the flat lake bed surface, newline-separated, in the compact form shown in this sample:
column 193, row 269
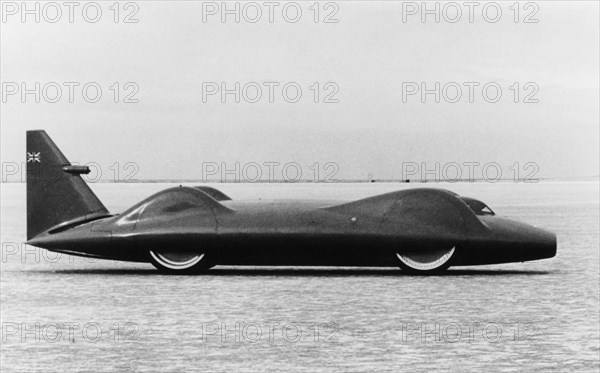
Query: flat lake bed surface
column 64, row 313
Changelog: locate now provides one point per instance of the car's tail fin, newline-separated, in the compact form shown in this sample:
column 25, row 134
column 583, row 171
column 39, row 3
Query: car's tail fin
column 56, row 193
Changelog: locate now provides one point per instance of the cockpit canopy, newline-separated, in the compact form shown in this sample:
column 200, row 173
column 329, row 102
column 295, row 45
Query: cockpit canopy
column 478, row 207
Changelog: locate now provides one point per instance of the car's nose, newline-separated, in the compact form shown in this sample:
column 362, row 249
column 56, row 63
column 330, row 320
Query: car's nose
column 521, row 241
column 510, row 241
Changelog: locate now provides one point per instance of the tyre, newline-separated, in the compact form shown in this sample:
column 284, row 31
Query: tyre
column 426, row 262
column 179, row 262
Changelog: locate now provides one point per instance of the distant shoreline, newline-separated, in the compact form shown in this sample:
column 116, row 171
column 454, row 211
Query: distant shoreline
column 344, row 181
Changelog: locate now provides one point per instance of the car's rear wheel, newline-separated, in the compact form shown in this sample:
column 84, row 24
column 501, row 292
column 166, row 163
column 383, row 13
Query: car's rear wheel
column 426, row 262
column 180, row 262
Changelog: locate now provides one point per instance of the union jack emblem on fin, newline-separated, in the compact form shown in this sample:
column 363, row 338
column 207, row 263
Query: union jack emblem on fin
column 34, row 157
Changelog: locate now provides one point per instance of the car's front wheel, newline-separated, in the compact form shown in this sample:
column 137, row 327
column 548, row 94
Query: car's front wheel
column 426, row 262
column 179, row 262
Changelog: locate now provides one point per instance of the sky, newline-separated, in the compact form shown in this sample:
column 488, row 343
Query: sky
column 369, row 62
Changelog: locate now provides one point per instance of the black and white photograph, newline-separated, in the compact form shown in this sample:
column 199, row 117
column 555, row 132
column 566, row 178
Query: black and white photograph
column 300, row 186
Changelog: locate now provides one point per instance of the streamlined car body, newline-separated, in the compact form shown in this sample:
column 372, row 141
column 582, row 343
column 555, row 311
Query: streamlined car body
column 191, row 229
